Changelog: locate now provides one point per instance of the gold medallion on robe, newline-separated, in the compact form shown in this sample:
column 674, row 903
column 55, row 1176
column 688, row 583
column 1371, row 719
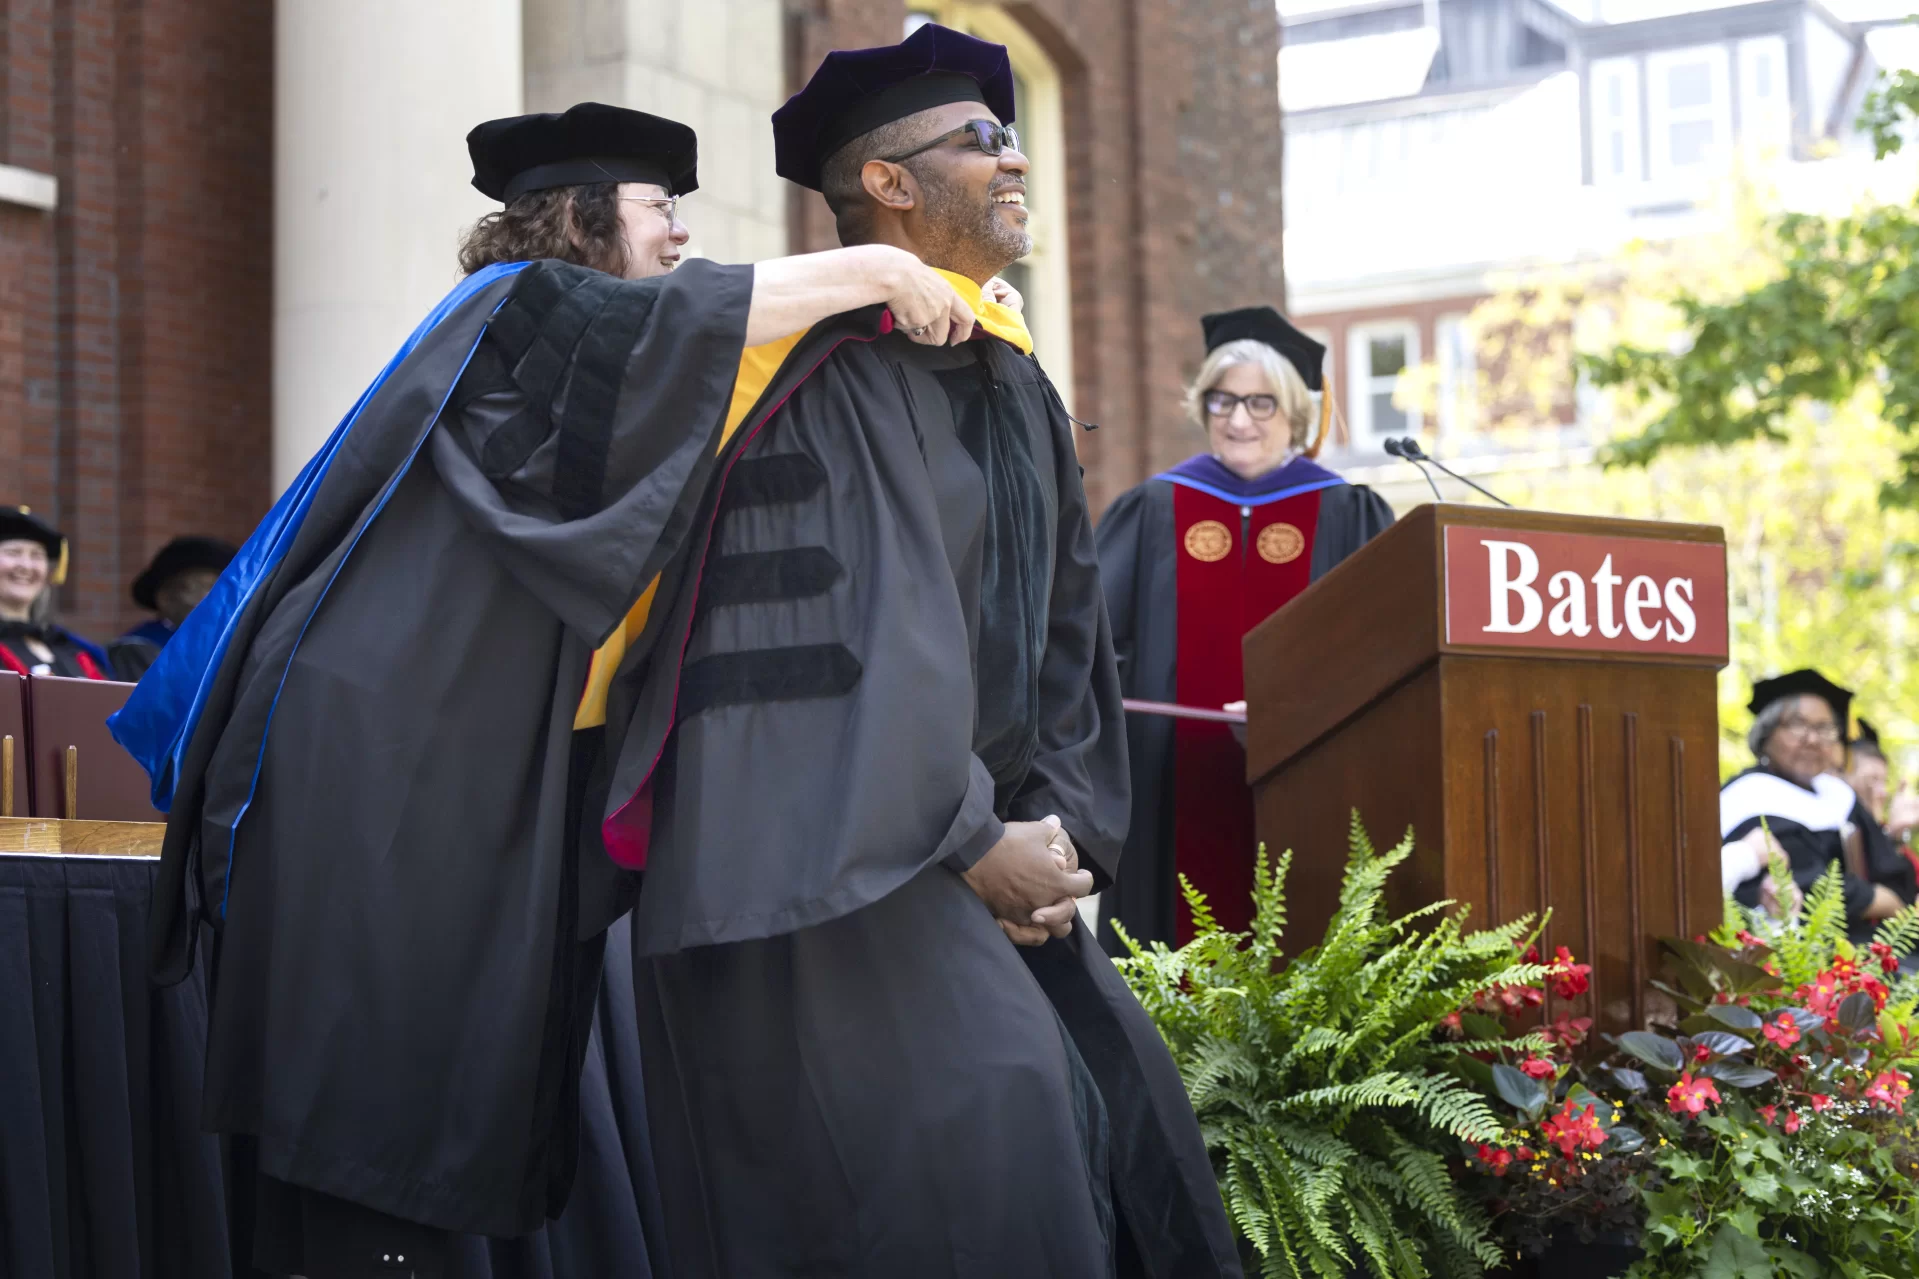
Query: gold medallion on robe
column 1279, row 543
column 1208, row 541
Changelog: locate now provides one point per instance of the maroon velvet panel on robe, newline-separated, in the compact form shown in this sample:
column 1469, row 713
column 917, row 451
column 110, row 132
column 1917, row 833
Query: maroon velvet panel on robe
column 1236, row 565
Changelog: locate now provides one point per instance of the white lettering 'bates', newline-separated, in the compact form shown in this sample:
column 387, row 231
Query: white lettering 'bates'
column 1645, row 610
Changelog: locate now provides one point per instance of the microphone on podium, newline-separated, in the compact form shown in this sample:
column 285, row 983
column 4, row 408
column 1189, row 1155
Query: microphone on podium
column 1410, row 450
column 1397, row 448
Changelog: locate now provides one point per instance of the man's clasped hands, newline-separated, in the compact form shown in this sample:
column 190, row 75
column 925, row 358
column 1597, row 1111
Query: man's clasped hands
column 1031, row 881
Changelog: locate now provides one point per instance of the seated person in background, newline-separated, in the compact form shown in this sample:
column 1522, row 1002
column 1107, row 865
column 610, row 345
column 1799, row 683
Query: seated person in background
column 1813, row 816
column 178, row 578
column 33, row 560
column 1869, row 775
column 1870, row 778
column 1192, row 559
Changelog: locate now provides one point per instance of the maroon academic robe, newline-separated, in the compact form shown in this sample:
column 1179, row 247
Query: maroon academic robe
column 1191, row 560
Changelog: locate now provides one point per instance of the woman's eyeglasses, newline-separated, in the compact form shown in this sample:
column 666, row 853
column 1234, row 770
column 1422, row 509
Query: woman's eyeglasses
column 993, row 139
column 1806, row 728
column 668, row 205
column 1258, row 407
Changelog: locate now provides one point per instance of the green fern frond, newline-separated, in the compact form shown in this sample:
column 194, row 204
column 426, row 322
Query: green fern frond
column 1269, row 897
column 1359, row 844
column 1314, row 1145
column 1324, row 1094
column 1803, row 947
column 1203, row 921
column 1453, row 1107
column 1901, row 932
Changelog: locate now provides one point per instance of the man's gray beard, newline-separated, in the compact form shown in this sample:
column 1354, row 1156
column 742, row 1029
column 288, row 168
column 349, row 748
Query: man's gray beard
column 972, row 240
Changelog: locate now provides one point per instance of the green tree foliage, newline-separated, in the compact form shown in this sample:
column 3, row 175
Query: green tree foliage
column 1818, row 574
column 1838, row 315
column 1327, row 1098
column 1784, row 341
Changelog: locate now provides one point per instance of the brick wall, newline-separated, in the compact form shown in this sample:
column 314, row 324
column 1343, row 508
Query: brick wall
column 1173, row 139
column 135, row 319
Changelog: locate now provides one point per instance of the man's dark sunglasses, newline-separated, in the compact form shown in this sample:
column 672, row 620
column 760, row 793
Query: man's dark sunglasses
column 989, row 137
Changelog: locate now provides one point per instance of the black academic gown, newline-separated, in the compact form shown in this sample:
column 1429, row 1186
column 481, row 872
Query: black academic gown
column 382, row 808
column 1809, row 824
column 73, row 657
column 1138, row 550
column 133, row 653
column 409, row 914
column 900, row 645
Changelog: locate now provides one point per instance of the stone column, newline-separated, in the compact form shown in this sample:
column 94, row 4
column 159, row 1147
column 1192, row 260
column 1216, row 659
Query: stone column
column 372, row 103
column 715, row 65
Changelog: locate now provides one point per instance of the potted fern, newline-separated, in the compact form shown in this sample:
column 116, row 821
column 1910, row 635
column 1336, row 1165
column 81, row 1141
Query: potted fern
column 1388, row 1103
column 1333, row 1101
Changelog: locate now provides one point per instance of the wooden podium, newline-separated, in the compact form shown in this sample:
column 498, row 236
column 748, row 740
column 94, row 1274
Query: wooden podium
column 66, row 787
column 1534, row 694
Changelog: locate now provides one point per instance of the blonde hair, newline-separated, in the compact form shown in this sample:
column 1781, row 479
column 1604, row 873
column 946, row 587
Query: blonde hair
column 40, row 609
column 1289, row 388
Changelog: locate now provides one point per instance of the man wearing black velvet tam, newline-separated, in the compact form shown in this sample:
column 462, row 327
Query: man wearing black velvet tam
column 876, row 1043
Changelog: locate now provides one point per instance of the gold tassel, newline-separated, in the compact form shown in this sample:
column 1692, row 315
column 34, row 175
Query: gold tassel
column 1325, row 413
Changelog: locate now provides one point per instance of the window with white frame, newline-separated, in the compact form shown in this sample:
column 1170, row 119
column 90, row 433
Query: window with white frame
column 1689, row 109
column 1376, row 354
column 1765, row 107
column 1615, row 121
column 1458, row 374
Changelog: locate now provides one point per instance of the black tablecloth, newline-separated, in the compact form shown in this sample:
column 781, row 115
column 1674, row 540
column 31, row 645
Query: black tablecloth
column 104, row 1173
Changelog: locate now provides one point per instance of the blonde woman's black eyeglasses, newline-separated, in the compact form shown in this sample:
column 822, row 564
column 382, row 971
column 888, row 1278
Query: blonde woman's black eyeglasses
column 1258, row 407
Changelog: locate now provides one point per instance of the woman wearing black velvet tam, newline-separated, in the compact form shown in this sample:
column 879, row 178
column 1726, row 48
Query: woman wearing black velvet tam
column 33, row 560
column 1193, row 559
column 597, row 186
column 1793, row 793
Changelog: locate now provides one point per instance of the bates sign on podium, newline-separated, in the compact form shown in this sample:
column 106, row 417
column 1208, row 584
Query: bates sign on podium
column 1515, row 588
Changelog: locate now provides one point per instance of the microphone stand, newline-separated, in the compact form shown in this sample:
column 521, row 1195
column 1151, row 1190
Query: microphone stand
column 1397, row 448
column 1410, row 450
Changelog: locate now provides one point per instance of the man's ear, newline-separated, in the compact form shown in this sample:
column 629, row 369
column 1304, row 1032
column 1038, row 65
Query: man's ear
column 890, row 185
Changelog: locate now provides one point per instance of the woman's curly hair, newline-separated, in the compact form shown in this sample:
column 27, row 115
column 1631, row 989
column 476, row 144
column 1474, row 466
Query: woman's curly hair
column 578, row 224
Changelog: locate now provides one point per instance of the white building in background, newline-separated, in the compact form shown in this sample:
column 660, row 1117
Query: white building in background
column 1434, row 147
column 372, row 105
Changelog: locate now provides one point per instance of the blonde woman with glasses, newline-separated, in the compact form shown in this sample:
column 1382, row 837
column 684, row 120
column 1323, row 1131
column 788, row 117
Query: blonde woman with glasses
column 1190, row 561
